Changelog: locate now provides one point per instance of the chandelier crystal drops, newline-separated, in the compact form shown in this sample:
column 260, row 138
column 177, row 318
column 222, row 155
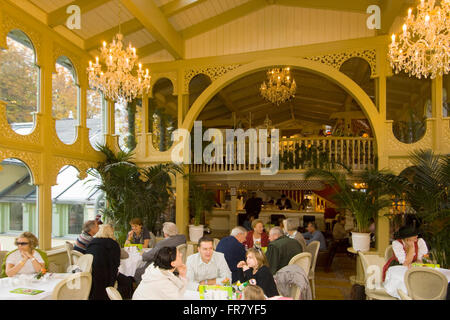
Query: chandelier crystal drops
column 423, row 49
column 279, row 86
column 121, row 82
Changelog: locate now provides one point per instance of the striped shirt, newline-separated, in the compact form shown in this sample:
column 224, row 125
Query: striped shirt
column 82, row 242
column 197, row 270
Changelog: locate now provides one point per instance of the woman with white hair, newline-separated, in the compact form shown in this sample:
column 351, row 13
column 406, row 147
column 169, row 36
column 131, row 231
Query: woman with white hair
column 106, row 261
column 290, row 227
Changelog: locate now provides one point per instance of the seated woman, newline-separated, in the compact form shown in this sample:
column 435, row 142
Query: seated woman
column 106, row 260
column 138, row 234
column 159, row 281
column 257, row 237
column 256, row 271
column 26, row 259
column 407, row 248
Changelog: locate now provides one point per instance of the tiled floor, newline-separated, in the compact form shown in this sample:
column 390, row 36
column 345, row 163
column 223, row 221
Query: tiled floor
column 335, row 285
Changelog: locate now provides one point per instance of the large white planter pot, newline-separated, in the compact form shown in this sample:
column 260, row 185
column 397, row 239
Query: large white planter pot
column 195, row 232
column 361, row 241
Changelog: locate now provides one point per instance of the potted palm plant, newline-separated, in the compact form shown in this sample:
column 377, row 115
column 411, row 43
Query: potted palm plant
column 364, row 203
column 201, row 200
column 132, row 191
column 427, row 191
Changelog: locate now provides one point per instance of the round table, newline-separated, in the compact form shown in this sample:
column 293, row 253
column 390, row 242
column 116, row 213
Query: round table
column 129, row 265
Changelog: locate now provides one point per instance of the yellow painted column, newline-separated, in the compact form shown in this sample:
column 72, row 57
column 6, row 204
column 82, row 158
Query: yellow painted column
column 436, row 99
column 382, row 223
column 182, row 184
column 45, row 189
column 182, row 202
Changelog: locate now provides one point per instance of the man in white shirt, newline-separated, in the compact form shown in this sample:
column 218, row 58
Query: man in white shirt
column 207, row 266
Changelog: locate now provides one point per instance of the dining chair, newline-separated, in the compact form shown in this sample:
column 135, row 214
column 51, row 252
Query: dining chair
column 69, row 248
column 189, row 250
column 425, row 283
column 215, row 243
column 388, row 253
column 183, row 249
column 403, row 296
column 75, row 255
column 113, row 294
column 313, row 248
column 85, row 262
column 303, row 260
column 77, row 286
column 368, row 260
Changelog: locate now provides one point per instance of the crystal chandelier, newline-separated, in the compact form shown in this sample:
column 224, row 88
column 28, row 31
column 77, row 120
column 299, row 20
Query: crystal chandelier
column 121, row 82
column 279, row 87
column 423, row 49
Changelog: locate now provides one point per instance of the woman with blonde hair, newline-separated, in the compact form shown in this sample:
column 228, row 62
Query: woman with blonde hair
column 26, row 259
column 106, row 261
column 256, row 271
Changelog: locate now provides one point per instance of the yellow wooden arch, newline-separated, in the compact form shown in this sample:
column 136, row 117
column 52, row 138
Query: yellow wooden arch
column 328, row 72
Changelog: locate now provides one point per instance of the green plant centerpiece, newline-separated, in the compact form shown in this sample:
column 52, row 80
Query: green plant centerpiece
column 132, row 191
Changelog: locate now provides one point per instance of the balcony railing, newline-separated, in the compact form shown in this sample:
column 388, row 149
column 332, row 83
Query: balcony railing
column 299, row 154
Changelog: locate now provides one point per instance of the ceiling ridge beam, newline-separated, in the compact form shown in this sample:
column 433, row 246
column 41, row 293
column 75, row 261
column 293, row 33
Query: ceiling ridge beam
column 59, row 16
column 157, row 24
column 347, row 5
column 223, row 18
column 126, row 28
column 177, row 6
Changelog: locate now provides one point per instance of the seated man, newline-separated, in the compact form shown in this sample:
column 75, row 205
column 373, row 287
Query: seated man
column 314, row 235
column 234, row 250
column 281, row 249
column 171, row 239
column 207, row 266
column 340, row 240
column 90, row 228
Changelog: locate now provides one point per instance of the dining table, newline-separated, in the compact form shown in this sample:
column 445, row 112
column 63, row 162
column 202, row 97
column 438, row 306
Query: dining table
column 395, row 279
column 134, row 261
column 27, row 287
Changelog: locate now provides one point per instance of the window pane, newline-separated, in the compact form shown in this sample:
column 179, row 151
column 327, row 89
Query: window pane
column 18, row 209
column 15, row 216
column 65, row 100
column 19, row 81
column 76, row 217
column 94, row 118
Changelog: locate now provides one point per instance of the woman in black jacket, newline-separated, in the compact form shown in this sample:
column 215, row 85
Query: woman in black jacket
column 105, row 265
column 256, row 271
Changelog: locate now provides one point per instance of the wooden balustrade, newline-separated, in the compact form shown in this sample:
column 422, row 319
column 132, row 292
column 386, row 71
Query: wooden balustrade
column 297, row 154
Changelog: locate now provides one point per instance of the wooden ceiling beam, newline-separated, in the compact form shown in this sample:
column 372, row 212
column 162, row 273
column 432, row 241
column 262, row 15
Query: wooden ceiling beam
column 157, row 24
column 127, row 28
column 173, row 7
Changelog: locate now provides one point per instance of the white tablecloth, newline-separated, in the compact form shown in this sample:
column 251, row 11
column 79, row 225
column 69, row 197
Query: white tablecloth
column 395, row 279
column 128, row 266
column 27, row 282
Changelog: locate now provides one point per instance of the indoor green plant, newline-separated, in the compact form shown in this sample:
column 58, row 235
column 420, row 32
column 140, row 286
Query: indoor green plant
column 364, row 204
column 201, row 200
column 132, row 191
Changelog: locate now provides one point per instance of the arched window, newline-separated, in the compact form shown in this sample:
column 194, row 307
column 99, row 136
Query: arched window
column 95, row 117
column 197, row 85
column 359, row 71
column 408, row 104
column 74, row 202
column 65, row 100
column 162, row 114
column 18, row 202
column 19, row 81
